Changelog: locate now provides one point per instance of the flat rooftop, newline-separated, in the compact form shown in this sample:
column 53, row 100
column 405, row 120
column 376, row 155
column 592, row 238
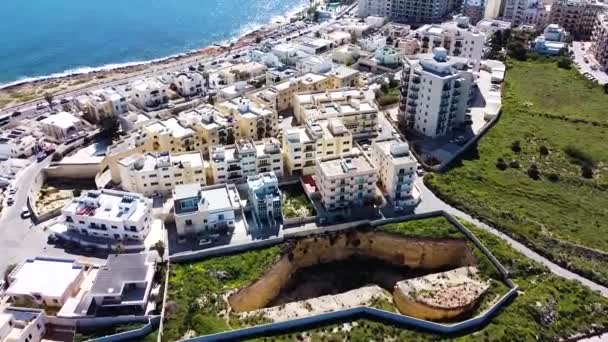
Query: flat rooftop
column 45, row 276
column 345, row 165
column 123, row 269
column 109, row 205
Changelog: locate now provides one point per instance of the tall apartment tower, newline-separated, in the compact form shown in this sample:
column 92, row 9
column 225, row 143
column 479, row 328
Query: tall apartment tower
column 408, row 11
column 435, row 93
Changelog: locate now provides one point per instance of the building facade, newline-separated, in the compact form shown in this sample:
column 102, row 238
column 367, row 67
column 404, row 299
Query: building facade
column 21, row 324
column 435, row 92
column 149, row 93
column 396, row 172
column 115, row 215
column 60, row 127
column 345, row 181
column 256, row 121
column 599, row 41
column 159, row 173
column 102, row 103
column 577, row 17
column 406, row 11
column 200, row 209
column 232, row 164
column 317, row 139
column 265, row 198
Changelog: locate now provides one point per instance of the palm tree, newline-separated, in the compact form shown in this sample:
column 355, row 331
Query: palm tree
column 49, row 98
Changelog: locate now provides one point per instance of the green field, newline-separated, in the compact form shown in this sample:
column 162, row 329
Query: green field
column 553, row 128
column 547, row 308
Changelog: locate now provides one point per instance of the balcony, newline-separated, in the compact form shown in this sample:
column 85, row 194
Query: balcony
column 416, row 80
column 456, row 93
column 412, row 104
column 411, row 111
column 413, row 96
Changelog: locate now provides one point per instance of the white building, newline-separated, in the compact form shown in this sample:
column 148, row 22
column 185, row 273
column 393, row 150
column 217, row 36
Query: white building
column 435, row 91
column 235, row 163
column 387, row 56
column 491, row 26
column 338, row 37
column 189, row 84
column 372, row 43
column 115, row 215
column 313, row 64
column 458, row 37
column 396, row 172
column 199, row 209
column 344, row 182
column 241, row 72
column 159, row 173
column 317, row 139
column 286, row 52
column 60, row 127
column 18, row 142
column 265, row 198
column 21, row 324
column 357, row 111
column 276, row 75
column 45, row 281
column 346, row 54
column 149, row 93
column 267, row 58
column 314, row 46
column 102, row 103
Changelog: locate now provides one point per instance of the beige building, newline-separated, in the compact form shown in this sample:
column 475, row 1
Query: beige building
column 232, row 164
column 396, row 172
column 60, row 127
column 280, row 96
column 355, row 108
column 577, row 17
column 241, row 72
column 211, row 127
column 256, row 121
column 159, row 173
column 599, row 41
column 344, row 182
column 102, row 103
column 22, row 324
column 317, row 139
column 344, row 77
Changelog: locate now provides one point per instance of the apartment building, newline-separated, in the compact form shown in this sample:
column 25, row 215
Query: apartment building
column 346, row 54
column 372, row 43
column 60, row 127
column 577, row 17
column 241, row 72
column 22, row 324
column 210, row 126
column 149, row 93
column 245, row 158
column 491, row 26
column 474, row 10
column 317, row 139
column 344, row 77
column 277, row 75
column 552, row 41
column 344, row 182
column 314, row 46
column 395, row 30
column 102, row 103
column 458, row 37
column 256, row 121
column 62, row 279
column 514, row 10
column 159, row 173
column 115, row 215
column 599, row 41
column 280, row 96
column 188, row 84
column 265, row 198
column 19, row 142
column 406, row 11
column 356, row 109
column 200, row 209
column 435, row 91
column 396, row 172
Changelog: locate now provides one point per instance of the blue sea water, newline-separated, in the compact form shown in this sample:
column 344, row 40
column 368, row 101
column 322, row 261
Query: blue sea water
column 42, row 37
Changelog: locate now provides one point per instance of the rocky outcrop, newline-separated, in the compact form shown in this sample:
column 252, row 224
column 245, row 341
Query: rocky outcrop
column 440, row 296
column 393, row 249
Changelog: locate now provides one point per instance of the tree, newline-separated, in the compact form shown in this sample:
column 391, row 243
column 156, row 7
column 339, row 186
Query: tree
column 543, row 150
column 210, row 100
column 518, row 50
column 564, row 62
column 258, row 40
column 516, row 147
column 48, row 97
column 109, row 127
column 501, row 165
column 606, row 88
column 533, row 172
column 159, row 246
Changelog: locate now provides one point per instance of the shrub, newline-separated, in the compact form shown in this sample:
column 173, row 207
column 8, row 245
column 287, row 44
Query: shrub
column 564, row 62
column 580, row 157
column 501, row 165
column 514, row 164
column 553, row 177
column 587, row 171
column 57, row 157
column 543, row 150
column 386, row 100
column 533, row 172
column 516, row 147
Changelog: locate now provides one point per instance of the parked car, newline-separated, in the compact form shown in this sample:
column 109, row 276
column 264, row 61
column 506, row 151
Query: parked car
column 280, row 118
column 25, row 213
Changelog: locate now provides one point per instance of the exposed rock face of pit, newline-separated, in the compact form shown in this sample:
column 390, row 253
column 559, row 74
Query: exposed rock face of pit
column 396, row 250
column 440, row 296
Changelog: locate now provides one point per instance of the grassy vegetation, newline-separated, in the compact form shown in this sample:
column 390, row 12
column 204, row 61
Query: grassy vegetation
column 548, row 308
column 540, row 174
column 86, row 335
column 434, row 228
column 195, row 305
column 295, row 202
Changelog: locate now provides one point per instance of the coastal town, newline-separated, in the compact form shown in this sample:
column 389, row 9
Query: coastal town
column 299, row 182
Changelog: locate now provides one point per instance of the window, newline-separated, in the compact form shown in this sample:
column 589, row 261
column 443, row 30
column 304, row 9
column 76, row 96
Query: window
column 189, row 222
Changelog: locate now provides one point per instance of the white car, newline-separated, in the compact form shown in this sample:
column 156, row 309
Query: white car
column 280, row 118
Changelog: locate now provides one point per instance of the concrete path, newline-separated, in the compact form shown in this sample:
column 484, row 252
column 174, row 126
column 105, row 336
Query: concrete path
column 430, row 203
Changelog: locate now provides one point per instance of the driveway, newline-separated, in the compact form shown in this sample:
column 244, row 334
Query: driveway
column 579, row 60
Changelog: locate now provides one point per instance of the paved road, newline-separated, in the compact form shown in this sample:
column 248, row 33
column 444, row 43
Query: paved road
column 430, row 202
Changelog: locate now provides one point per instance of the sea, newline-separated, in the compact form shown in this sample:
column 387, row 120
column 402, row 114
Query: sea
column 42, row 38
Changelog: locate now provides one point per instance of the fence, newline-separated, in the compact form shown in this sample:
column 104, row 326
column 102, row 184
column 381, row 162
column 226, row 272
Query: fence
column 139, row 333
column 205, row 253
column 373, row 313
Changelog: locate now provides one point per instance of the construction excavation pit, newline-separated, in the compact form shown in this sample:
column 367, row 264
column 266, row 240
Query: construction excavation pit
column 434, row 279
